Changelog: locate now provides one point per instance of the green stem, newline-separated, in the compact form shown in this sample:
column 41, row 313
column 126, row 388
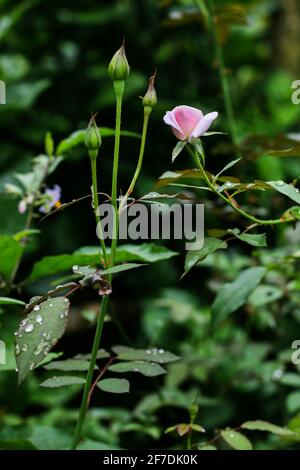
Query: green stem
column 147, row 112
column 141, row 155
column 230, row 203
column 189, row 440
column 223, row 76
column 89, row 377
column 95, row 207
column 119, row 86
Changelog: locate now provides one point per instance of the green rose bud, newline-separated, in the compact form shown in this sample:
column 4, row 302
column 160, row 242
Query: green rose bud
column 150, row 98
column 92, row 139
column 118, row 68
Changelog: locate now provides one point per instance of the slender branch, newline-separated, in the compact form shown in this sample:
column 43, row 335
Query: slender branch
column 141, row 154
column 230, row 203
column 99, row 376
column 90, row 373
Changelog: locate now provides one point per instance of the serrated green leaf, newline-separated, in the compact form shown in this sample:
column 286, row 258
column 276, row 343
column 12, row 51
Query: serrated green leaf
column 121, row 267
column 86, row 256
column 257, row 239
column 194, row 257
column 114, row 385
column 77, row 138
column 62, row 381
column 10, row 252
column 101, row 354
column 25, row 233
column 293, row 402
column 177, row 150
column 260, row 425
column 265, row 294
column 154, row 355
column 227, row 167
column 234, row 294
column 145, row 368
column 69, row 365
column 39, row 332
column 286, row 189
column 236, row 440
column 291, row 379
column 9, row 301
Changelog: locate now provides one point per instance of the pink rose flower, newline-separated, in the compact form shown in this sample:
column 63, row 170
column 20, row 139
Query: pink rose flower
column 189, row 123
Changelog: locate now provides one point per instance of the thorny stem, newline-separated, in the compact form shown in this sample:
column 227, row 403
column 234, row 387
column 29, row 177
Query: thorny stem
column 223, row 76
column 89, row 377
column 230, row 203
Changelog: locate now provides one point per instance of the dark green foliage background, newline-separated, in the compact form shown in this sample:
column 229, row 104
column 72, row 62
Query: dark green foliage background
column 53, row 58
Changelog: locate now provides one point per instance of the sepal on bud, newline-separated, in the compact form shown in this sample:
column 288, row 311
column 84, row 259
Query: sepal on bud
column 118, row 68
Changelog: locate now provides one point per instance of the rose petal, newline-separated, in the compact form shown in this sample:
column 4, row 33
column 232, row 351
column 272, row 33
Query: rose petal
column 204, row 125
column 171, row 121
column 187, row 118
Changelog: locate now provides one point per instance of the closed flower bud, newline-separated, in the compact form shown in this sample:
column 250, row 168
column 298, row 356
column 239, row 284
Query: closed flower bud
column 150, row 98
column 118, row 68
column 92, row 139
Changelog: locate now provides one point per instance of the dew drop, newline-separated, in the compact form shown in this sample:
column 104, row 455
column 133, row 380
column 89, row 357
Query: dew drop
column 29, row 328
column 32, row 366
column 136, row 369
column 24, row 347
column 36, row 308
column 16, row 369
column 279, row 183
column 17, row 350
column 277, row 374
column 148, row 351
column 51, row 305
column 39, row 319
column 75, row 267
column 161, row 351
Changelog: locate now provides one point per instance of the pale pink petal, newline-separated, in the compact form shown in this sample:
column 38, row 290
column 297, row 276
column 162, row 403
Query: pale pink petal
column 171, row 121
column 203, row 125
column 187, row 118
column 180, row 135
